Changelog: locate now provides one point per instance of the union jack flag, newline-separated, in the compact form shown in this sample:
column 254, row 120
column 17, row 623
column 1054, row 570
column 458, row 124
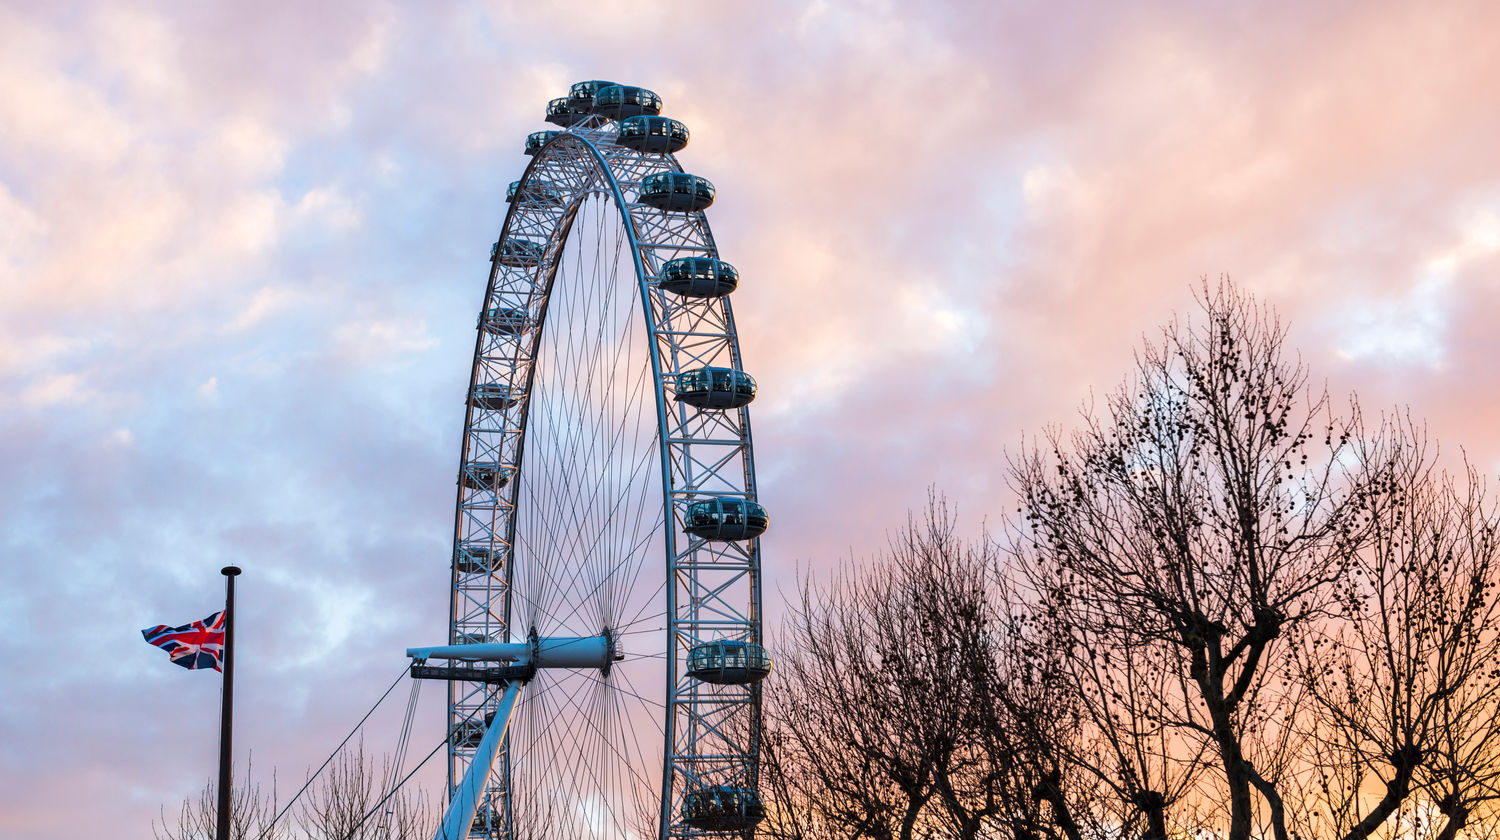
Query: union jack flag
column 196, row 645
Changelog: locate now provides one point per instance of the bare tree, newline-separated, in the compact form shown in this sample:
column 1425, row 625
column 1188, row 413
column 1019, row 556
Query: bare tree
column 355, row 802
column 1028, row 718
column 839, row 755
column 340, row 805
column 251, row 812
column 1402, row 674
column 1237, row 574
column 1138, row 766
column 1187, row 527
column 903, row 707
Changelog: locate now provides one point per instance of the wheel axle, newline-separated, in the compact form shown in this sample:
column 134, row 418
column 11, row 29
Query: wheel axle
column 536, row 652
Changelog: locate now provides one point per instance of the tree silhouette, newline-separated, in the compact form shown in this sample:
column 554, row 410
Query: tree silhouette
column 339, row 805
column 1280, row 621
column 902, row 705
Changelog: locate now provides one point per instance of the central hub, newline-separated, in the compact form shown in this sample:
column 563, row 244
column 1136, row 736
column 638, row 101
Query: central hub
column 572, row 651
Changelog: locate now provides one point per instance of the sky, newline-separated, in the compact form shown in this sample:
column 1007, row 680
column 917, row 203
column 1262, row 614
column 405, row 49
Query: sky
column 242, row 248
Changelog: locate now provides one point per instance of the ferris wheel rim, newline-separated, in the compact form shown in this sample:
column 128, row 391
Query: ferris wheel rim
column 671, row 503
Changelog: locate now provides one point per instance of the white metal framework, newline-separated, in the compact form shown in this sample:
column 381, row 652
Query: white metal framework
column 577, row 470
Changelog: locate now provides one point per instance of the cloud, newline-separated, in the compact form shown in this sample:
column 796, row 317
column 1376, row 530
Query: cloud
column 242, row 250
column 387, row 338
column 53, row 390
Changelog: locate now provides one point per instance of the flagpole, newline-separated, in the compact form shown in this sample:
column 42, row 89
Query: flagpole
column 226, row 716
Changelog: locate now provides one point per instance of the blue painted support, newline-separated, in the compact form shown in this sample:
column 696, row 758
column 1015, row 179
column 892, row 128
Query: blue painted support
column 461, row 808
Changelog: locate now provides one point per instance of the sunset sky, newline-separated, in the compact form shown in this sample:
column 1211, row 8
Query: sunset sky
column 242, row 248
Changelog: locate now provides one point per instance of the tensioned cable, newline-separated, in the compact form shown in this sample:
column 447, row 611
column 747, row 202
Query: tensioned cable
column 398, row 786
column 597, row 407
column 584, row 357
column 587, row 520
column 402, row 742
column 584, row 508
column 335, row 752
column 561, row 358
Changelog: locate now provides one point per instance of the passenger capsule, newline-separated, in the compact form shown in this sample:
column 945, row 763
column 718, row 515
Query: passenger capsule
column 581, row 95
column 536, row 191
column 726, row 519
column 658, row 135
column 517, row 252
column 677, row 191
column 466, row 734
column 699, row 277
column 492, row 396
column 559, row 112
column 619, row 101
column 537, row 139
column 722, row 808
column 503, row 320
column 715, row 388
column 482, row 475
column 728, row 662
column 473, row 560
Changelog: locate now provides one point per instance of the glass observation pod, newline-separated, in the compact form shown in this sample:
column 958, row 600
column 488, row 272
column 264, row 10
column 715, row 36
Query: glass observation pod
column 494, row 396
column 715, row 388
column 485, row 475
column 699, row 277
column 559, row 112
column 728, row 662
column 502, row 320
column 677, row 191
column 467, row 734
column 619, row 101
column 536, row 192
column 722, row 808
column 474, row 560
column 726, row 519
column 581, row 95
column 658, row 135
column 517, row 252
column 537, row 139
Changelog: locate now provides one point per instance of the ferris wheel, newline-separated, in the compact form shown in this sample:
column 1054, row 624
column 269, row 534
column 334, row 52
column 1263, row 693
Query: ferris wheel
column 605, row 646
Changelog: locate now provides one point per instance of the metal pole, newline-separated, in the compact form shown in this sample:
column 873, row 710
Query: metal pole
column 226, row 715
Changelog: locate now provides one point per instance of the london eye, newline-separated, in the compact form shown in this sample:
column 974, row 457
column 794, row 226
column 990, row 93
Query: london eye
column 604, row 651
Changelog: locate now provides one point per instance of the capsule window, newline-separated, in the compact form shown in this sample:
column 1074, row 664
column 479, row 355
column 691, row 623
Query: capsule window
column 561, row 112
column 677, row 192
column 699, row 277
column 537, row 139
column 504, row 320
column 537, row 191
column 722, row 808
column 474, row 559
column 725, row 519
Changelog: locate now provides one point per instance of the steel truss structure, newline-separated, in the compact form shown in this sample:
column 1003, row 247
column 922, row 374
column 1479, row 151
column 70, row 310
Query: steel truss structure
column 554, row 531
